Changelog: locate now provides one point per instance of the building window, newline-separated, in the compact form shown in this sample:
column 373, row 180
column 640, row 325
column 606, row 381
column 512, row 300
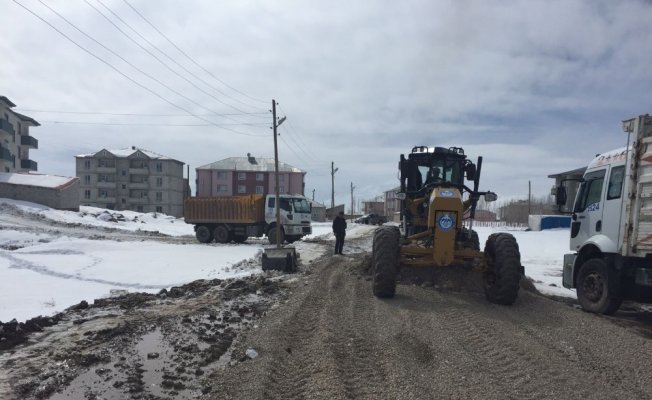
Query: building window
column 103, row 194
column 124, row 172
column 139, row 208
column 159, row 167
column 281, row 178
column 124, row 186
column 260, row 190
column 159, row 196
column 221, row 176
column 87, row 164
column 242, row 176
column 159, row 209
column 260, row 177
column 87, row 194
column 159, row 182
column 87, row 179
column 221, row 189
column 281, row 189
column 242, row 189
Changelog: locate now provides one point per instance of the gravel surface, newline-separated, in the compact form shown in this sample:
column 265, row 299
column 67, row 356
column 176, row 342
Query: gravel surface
column 321, row 334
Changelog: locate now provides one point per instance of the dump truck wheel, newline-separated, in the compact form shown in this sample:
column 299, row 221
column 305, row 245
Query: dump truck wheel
column 203, row 234
column 271, row 235
column 239, row 239
column 385, row 259
column 222, row 234
column 593, row 288
column 503, row 274
column 292, row 239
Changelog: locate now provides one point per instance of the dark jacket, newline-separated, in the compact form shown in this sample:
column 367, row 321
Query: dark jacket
column 339, row 225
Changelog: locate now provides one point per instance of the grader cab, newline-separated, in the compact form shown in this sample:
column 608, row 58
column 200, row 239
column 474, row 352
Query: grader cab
column 433, row 233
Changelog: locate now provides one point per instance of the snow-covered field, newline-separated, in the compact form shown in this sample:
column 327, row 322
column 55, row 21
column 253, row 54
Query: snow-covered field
column 43, row 273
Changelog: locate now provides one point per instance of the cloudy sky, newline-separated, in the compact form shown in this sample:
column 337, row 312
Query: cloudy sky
column 535, row 87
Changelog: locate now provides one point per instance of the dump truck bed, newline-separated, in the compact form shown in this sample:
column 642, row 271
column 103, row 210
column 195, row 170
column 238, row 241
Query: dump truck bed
column 248, row 209
column 638, row 236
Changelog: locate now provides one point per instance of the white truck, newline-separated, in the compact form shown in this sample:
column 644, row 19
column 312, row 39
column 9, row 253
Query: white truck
column 611, row 228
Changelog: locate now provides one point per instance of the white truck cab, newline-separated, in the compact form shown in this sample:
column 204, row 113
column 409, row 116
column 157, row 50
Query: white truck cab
column 295, row 213
column 611, row 229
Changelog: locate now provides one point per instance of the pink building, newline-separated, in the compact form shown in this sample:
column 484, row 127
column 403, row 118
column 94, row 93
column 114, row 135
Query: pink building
column 237, row 176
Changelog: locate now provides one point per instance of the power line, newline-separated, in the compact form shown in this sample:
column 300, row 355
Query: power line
column 190, row 58
column 120, row 72
column 256, row 114
column 151, row 124
column 297, row 141
column 153, row 55
column 125, row 60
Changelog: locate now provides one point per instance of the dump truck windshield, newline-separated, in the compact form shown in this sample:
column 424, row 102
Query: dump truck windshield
column 301, row 206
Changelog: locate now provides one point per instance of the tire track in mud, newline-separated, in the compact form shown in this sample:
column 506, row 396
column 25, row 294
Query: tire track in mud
column 587, row 361
column 352, row 340
column 293, row 375
column 498, row 357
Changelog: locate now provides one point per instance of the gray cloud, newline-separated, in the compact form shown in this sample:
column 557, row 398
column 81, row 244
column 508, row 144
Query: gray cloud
column 536, row 87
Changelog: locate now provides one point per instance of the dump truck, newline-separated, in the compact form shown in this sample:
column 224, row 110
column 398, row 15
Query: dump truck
column 611, row 227
column 433, row 233
column 236, row 218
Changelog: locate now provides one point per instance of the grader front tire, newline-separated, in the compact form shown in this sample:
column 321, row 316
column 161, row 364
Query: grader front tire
column 385, row 260
column 503, row 274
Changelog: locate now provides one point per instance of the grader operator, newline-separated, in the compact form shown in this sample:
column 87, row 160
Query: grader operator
column 433, row 232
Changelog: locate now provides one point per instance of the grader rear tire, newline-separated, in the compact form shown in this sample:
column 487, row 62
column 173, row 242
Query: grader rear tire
column 385, row 260
column 503, row 275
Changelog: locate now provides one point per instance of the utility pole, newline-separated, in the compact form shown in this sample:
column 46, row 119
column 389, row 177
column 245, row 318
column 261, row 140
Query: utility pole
column 276, row 124
column 352, row 204
column 333, row 171
column 313, row 194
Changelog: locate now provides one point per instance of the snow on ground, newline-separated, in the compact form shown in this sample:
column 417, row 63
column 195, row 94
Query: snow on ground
column 43, row 273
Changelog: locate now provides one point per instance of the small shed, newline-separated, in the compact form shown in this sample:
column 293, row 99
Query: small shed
column 59, row 192
column 318, row 211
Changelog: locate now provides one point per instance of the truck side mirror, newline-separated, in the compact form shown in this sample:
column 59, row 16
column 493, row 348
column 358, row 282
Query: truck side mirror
column 560, row 196
column 490, row 196
column 470, row 171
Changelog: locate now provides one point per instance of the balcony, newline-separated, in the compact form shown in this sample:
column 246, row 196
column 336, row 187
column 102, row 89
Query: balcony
column 105, row 184
column 138, row 185
column 29, row 141
column 6, row 155
column 139, row 170
column 6, row 127
column 29, row 164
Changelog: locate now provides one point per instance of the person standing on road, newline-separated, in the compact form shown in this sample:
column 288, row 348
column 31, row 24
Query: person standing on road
column 339, row 229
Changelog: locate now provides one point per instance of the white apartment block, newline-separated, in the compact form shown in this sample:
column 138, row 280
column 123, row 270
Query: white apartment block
column 15, row 140
column 132, row 179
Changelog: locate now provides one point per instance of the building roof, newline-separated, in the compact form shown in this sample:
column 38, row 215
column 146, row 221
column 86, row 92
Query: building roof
column 6, row 100
column 577, row 171
column 128, row 152
column 26, row 118
column 34, row 179
column 250, row 164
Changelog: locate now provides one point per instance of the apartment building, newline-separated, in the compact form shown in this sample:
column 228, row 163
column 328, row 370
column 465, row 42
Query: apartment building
column 237, row 176
column 132, row 179
column 15, row 140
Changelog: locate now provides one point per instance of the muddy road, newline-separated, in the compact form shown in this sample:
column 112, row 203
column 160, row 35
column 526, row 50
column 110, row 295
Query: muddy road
column 321, row 334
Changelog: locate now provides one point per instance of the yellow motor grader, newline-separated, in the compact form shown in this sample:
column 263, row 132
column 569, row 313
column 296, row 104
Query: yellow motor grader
column 433, row 232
